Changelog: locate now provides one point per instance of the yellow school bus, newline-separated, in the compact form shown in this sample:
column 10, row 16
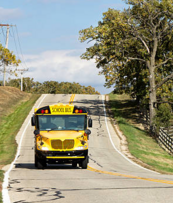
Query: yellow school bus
column 61, row 135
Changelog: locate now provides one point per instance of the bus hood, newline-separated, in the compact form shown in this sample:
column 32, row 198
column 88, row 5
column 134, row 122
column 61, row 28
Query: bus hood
column 62, row 135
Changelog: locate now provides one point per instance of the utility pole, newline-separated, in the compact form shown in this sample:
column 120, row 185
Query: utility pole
column 6, row 46
column 21, row 83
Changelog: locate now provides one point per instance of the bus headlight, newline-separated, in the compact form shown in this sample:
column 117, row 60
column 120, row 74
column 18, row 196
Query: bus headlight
column 81, row 147
column 44, row 148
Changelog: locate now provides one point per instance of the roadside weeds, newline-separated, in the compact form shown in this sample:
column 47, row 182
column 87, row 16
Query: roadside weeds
column 136, row 143
column 9, row 129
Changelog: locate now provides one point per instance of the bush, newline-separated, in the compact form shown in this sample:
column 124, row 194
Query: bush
column 163, row 116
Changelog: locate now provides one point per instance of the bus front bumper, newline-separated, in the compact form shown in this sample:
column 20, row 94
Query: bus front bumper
column 62, row 156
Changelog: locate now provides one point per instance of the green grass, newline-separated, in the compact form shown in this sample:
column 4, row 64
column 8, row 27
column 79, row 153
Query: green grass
column 140, row 143
column 10, row 126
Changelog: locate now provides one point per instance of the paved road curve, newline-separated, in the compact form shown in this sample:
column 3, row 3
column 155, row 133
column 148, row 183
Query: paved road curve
column 109, row 178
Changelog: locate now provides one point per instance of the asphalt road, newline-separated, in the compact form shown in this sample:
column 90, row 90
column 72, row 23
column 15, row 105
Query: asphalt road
column 109, row 178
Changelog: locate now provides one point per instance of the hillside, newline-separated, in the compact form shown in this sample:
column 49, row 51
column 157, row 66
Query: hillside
column 13, row 104
column 10, row 97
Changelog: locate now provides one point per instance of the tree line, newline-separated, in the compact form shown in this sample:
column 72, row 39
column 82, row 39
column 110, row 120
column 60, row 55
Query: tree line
column 50, row 87
column 133, row 49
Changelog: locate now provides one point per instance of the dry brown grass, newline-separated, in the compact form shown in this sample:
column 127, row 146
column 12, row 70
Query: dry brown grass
column 9, row 98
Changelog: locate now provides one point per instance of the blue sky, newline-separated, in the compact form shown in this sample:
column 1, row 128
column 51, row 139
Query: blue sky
column 48, row 32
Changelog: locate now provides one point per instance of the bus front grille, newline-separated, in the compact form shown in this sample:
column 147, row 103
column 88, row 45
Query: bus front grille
column 66, row 144
column 56, row 144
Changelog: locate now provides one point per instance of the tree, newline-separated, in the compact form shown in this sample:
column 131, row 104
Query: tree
column 163, row 116
column 14, row 83
column 142, row 34
column 7, row 58
column 50, row 87
column 28, row 84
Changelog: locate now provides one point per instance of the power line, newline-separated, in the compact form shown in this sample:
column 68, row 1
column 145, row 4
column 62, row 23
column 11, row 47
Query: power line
column 23, row 64
column 6, row 46
column 16, row 45
column 20, row 47
column 23, row 69
column 7, row 36
column 3, row 33
column 15, row 42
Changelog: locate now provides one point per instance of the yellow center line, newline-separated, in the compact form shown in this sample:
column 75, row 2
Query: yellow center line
column 130, row 176
column 72, row 98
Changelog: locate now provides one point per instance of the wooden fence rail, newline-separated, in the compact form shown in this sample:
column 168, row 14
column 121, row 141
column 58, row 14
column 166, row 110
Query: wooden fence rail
column 164, row 137
column 165, row 141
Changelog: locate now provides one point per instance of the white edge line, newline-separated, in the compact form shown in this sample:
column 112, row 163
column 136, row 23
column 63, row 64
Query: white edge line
column 114, row 145
column 5, row 195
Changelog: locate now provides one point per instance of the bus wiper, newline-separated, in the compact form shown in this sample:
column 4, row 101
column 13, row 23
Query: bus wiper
column 72, row 129
column 50, row 129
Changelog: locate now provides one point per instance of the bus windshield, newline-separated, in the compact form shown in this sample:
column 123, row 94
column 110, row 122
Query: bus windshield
column 62, row 122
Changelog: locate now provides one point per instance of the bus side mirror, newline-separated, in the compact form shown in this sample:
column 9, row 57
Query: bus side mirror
column 36, row 132
column 90, row 123
column 87, row 131
column 33, row 120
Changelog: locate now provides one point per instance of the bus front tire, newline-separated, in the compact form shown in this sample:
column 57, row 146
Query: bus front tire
column 36, row 161
column 40, row 164
column 84, row 163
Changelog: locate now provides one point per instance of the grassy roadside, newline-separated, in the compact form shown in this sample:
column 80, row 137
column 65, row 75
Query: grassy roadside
column 10, row 125
column 141, row 145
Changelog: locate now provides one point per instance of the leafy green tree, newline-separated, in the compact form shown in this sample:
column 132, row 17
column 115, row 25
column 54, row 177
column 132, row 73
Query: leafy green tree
column 163, row 116
column 14, row 83
column 141, row 34
column 50, row 87
column 8, row 58
column 37, row 88
column 28, row 84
